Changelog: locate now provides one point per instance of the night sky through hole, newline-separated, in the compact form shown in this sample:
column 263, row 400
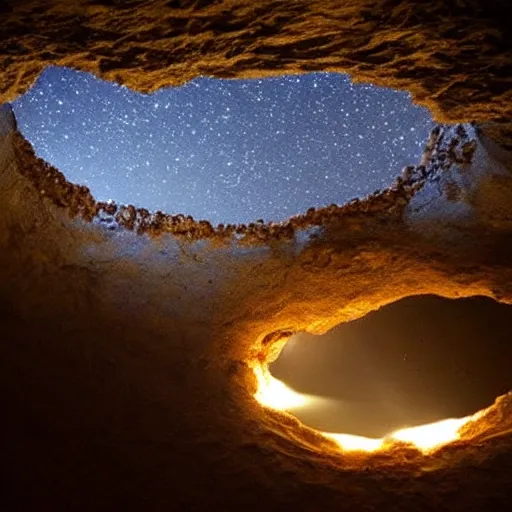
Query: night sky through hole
column 224, row 150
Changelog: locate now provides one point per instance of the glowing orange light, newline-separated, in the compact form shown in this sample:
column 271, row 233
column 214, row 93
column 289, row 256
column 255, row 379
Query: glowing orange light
column 349, row 442
column 433, row 435
column 276, row 394
column 426, row 438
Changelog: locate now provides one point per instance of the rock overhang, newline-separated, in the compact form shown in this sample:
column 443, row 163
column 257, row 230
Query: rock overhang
column 452, row 57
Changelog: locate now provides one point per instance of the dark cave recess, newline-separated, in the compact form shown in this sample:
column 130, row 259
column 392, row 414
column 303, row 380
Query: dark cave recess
column 416, row 361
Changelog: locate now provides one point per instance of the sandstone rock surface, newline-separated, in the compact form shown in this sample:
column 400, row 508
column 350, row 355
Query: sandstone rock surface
column 126, row 363
column 129, row 339
column 453, row 56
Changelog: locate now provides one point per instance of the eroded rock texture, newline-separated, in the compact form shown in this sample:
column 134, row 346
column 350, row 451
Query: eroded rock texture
column 126, row 358
column 128, row 339
column 453, row 56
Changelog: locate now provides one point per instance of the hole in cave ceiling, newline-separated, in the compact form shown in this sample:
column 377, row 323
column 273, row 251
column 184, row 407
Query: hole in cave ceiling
column 417, row 361
column 229, row 151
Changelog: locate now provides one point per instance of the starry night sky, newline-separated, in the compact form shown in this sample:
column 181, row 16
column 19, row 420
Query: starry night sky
column 224, row 150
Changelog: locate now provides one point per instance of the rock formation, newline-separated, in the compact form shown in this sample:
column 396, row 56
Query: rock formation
column 129, row 338
column 453, row 56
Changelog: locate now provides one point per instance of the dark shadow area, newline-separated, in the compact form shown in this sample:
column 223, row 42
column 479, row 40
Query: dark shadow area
column 419, row 360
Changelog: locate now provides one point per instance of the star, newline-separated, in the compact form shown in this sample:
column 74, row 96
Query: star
column 228, row 151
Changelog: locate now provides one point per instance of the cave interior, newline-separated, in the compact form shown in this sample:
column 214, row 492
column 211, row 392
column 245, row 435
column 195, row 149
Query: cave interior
column 131, row 340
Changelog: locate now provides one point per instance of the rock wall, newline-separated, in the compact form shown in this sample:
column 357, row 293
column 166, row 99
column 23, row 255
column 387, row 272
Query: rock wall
column 452, row 55
column 129, row 341
column 126, row 362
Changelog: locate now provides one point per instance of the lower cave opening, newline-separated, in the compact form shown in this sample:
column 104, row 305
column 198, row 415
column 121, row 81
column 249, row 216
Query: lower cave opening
column 417, row 361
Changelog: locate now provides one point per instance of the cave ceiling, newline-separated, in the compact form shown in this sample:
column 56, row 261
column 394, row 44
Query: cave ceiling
column 453, row 56
column 128, row 345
